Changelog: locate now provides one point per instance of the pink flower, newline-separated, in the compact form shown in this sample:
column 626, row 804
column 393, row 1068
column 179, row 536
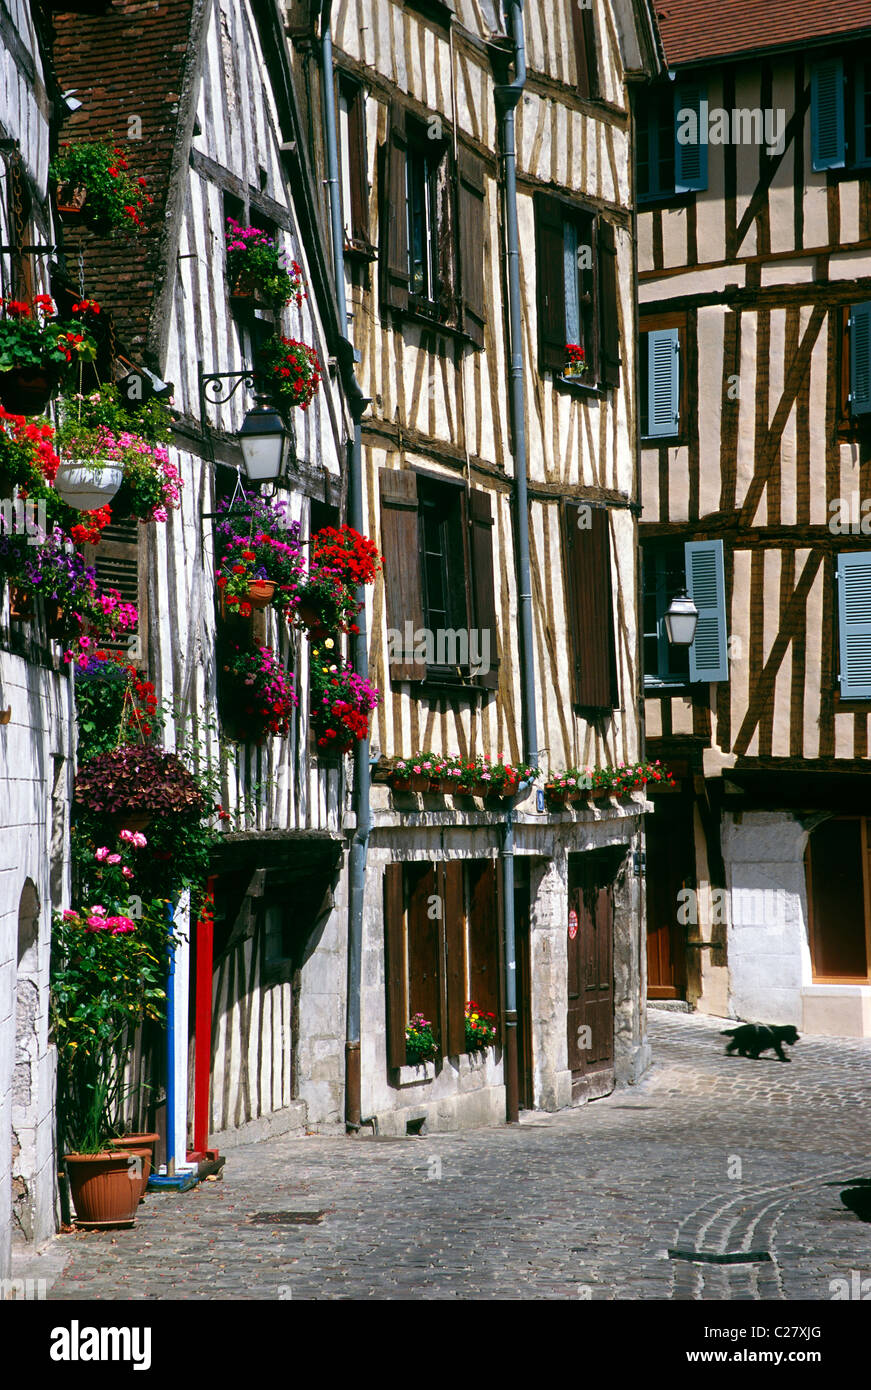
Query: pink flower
column 128, row 873
column 159, row 514
column 114, row 859
column 135, row 838
column 102, row 853
column 69, row 915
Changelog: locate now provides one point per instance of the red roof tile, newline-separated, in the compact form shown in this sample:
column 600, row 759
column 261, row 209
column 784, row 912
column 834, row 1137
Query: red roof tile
column 698, row 30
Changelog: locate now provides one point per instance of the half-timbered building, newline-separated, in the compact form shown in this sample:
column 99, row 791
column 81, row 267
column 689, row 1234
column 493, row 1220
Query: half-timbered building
column 207, row 115
column 35, row 699
column 754, row 257
column 430, row 98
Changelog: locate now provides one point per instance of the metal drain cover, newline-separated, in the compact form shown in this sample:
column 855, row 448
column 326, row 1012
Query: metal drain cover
column 738, row 1257
column 286, row 1218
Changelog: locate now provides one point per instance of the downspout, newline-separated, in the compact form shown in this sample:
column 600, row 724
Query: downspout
column 507, row 96
column 357, row 402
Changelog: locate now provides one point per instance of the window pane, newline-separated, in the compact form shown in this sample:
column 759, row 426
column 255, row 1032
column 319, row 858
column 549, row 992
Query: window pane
column 346, row 164
column 417, row 221
column 665, row 145
column 570, row 275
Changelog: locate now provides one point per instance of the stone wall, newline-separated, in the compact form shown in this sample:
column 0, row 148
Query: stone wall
column 35, row 770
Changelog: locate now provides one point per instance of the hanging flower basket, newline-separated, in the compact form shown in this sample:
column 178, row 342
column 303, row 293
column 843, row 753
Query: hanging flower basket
column 27, row 390
column 87, row 484
column 260, row 593
column 400, row 783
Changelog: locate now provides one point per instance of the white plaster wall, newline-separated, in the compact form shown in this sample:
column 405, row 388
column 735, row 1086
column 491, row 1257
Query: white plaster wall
column 34, row 801
column 768, row 951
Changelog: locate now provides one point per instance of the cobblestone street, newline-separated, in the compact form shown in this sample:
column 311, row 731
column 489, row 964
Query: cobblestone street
column 586, row 1203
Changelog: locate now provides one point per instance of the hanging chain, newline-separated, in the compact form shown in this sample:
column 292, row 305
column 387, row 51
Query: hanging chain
column 17, row 267
column 81, row 274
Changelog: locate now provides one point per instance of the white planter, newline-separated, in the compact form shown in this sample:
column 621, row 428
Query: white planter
column 86, row 485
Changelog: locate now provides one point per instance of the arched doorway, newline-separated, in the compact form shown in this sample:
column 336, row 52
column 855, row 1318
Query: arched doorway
column 25, row 1075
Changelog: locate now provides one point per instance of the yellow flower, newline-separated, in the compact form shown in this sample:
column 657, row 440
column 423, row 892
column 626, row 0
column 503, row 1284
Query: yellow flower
column 329, row 642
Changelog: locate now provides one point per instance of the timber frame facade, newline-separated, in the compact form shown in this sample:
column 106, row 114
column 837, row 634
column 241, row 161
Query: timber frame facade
column 422, row 173
column 754, row 288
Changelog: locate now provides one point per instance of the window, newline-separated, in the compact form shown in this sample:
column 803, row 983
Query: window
column 858, row 356
column 697, row 568
column 441, row 927
column 662, row 382
column 576, row 274
column 854, row 625
column 430, row 267
column 587, row 540
column 584, row 35
column 664, row 575
column 838, row 864
column 355, row 182
column 437, row 540
column 671, row 157
column 841, row 113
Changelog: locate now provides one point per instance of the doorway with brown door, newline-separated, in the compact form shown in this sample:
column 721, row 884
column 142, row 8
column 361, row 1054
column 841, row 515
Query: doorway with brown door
column 590, row 950
column 670, row 858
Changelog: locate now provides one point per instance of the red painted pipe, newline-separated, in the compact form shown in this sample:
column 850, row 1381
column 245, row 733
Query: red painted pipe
column 203, row 1021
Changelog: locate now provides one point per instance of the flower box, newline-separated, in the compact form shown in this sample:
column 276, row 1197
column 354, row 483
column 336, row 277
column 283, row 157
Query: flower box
column 71, row 200
column 246, row 294
column 416, row 1074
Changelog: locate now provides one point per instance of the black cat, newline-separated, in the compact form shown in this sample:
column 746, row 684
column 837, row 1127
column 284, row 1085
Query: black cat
column 752, row 1038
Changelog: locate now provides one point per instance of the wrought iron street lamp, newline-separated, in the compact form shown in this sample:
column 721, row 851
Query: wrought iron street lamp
column 265, row 441
column 681, row 621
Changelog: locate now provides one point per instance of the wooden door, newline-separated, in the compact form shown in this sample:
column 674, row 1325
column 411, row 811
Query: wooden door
column 838, row 892
column 590, row 933
column 670, row 858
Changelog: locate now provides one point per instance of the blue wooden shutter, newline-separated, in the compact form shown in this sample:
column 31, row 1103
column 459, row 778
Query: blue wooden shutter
column 709, row 659
column 860, row 359
column 854, row 625
column 828, row 148
column 862, row 105
column 691, row 161
column 663, row 367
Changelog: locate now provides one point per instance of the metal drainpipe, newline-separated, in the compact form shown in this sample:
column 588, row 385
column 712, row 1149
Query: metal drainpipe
column 507, row 96
column 360, row 792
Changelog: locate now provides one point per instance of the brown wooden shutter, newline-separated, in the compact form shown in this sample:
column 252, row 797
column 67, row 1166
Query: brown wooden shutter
column 483, row 936
column 357, row 167
column 424, row 947
column 400, row 545
column 484, row 582
column 454, row 1032
column 609, row 355
column 394, row 965
column 586, row 61
column 472, row 195
column 116, row 562
column 447, row 270
column 591, row 611
column 394, row 214
column 550, row 279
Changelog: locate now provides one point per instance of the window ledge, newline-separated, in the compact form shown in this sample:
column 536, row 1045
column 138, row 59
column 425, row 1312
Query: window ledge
column 435, row 325
column 668, row 200
column 360, row 251
column 416, row 1076
column 578, row 387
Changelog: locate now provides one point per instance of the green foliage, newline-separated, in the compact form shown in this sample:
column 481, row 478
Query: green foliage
column 420, row 1042
column 116, row 199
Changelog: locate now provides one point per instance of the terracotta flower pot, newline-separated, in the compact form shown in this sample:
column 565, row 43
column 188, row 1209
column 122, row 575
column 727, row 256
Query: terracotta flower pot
column 141, row 1145
column 449, row 785
column 27, row 390
column 556, row 797
column 103, row 1190
column 435, row 784
column 419, row 781
column 400, row 784
column 247, row 293
column 260, row 593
